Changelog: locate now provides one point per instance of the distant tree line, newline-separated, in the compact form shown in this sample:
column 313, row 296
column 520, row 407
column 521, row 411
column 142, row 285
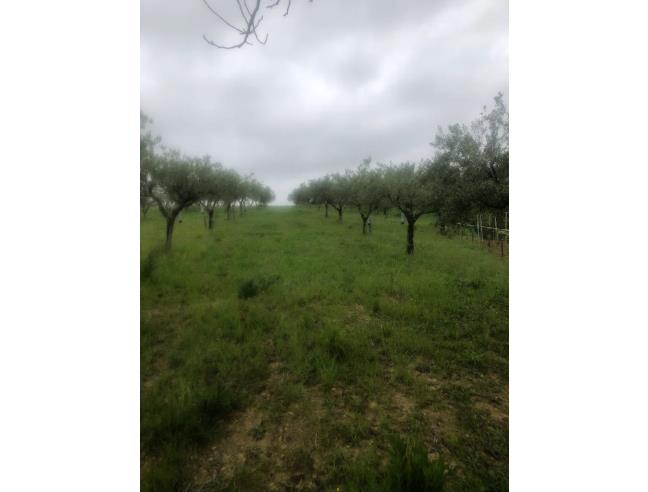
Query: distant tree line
column 172, row 182
column 468, row 175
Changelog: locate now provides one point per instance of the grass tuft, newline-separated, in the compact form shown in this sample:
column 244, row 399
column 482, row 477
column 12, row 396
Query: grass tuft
column 410, row 469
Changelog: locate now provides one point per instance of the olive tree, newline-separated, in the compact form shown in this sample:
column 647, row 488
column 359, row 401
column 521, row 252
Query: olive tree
column 366, row 191
column 481, row 153
column 337, row 192
column 212, row 189
column 411, row 191
column 385, row 205
column 245, row 190
column 262, row 195
column 302, row 195
column 448, row 193
column 147, row 162
column 321, row 193
column 268, row 197
column 251, row 192
column 178, row 183
column 232, row 190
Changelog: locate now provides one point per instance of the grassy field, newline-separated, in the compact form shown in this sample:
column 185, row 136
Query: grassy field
column 286, row 351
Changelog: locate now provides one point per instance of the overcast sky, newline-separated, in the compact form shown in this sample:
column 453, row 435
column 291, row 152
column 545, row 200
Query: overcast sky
column 338, row 80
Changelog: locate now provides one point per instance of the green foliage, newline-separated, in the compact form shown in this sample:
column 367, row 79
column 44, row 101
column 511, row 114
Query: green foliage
column 366, row 189
column 175, row 182
column 332, row 190
column 410, row 189
column 179, row 181
column 467, row 176
column 481, row 153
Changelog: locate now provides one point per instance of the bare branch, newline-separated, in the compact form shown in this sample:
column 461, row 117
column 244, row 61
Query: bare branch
column 242, row 43
column 277, row 2
column 240, row 6
column 257, row 36
column 246, row 7
column 251, row 18
column 222, row 18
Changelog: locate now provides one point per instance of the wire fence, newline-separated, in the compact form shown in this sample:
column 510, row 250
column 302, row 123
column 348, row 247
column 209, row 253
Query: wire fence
column 492, row 236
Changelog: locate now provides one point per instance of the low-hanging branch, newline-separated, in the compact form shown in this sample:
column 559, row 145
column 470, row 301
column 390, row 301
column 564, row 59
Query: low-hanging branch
column 251, row 19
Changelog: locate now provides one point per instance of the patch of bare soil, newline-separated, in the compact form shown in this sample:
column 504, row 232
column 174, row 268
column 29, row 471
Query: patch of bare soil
column 280, row 450
column 357, row 313
column 294, row 449
column 496, row 405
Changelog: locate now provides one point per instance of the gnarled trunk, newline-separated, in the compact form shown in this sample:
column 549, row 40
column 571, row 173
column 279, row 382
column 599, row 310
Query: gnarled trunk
column 339, row 210
column 410, row 236
column 170, row 222
column 210, row 219
column 364, row 224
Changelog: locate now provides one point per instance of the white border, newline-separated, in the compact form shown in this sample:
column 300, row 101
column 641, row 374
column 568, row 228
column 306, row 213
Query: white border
column 578, row 290
column 69, row 253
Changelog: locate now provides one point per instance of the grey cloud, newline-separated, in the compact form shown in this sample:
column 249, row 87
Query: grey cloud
column 337, row 81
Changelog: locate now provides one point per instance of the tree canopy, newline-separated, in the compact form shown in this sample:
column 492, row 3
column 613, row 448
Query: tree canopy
column 174, row 181
column 467, row 175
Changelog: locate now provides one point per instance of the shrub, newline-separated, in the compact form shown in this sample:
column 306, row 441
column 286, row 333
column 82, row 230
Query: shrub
column 249, row 288
column 253, row 287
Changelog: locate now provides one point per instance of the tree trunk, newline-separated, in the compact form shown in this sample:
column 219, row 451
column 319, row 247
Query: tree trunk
column 364, row 224
column 410, row 237
column 229, row 210
column 326, row 210
column 339, row 214
column 169, row 230
column 210, row 221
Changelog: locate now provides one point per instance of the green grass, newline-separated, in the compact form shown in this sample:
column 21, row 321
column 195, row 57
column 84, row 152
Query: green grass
column 285, row 350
